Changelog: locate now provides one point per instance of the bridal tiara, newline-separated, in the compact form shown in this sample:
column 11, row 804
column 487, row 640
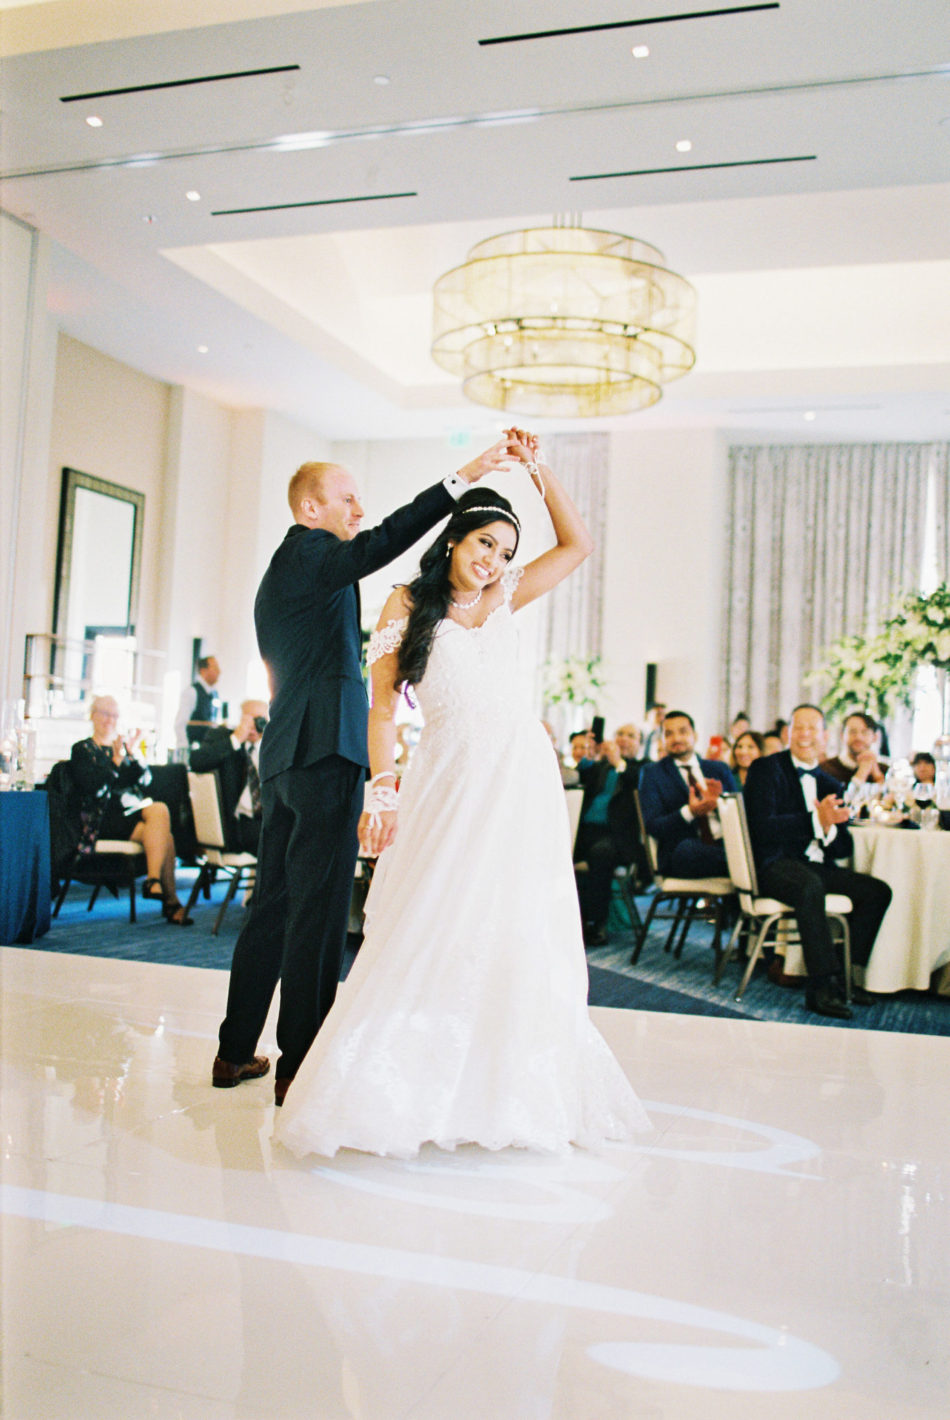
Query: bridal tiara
column 488, row 508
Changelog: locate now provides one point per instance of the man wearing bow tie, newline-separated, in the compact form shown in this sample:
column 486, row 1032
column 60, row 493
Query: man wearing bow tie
column 797, row 824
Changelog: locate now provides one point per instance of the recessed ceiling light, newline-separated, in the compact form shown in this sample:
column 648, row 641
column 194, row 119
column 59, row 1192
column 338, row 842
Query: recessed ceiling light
column 809, row 414
column 683, row 146
column 641, row 51
column 202, row 349
column 94, row 121
column 381, row 79
column 193, row 196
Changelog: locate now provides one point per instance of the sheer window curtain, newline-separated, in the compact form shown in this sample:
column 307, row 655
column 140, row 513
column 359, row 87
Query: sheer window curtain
column 820, row 539
column 571, row 617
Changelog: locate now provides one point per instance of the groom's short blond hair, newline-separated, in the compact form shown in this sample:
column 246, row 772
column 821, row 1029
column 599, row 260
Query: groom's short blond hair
column 307, row 482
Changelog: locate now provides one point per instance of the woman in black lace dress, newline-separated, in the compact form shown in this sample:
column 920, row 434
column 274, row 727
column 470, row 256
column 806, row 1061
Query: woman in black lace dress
column 112, row 781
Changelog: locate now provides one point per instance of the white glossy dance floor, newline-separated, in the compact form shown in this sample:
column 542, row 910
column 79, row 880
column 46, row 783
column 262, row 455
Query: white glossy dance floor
column 780, row 1247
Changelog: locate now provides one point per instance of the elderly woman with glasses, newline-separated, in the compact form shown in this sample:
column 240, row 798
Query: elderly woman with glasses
column 111, row 778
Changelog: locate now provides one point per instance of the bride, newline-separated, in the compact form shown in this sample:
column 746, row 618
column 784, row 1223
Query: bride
column 464, row 1017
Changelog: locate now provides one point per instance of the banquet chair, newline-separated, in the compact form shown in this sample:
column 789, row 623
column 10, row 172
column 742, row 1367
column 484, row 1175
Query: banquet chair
column 204, row 790
column 758, row 916
column 692, row 898
column 113, row 863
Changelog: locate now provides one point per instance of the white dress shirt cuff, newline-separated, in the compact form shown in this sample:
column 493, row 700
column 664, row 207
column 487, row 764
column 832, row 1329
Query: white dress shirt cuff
column 455, row 485
column 235, row 742
column 687, row 813
column 823, row 836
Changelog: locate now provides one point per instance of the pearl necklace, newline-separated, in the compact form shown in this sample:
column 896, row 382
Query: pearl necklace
column 467, row 606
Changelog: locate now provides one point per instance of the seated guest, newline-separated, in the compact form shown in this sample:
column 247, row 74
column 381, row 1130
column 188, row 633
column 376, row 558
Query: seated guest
column 110, row 778
column 780, row 728
column 679, row 809
column 233, row 753
column 749, row 745
column 772, row 743
column 582, row 747
column 607, row 835
column 858, row 761
column 740, row 724
column 925, row 767
column 797, row 827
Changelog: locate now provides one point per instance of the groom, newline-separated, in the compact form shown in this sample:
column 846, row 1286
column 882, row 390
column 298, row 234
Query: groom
column 313, row 759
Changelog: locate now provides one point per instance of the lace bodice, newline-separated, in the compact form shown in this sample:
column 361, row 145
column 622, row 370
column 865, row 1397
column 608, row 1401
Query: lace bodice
column 471, row 682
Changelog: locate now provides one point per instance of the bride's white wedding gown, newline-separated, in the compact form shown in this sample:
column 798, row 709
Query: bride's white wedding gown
column 464, row 1017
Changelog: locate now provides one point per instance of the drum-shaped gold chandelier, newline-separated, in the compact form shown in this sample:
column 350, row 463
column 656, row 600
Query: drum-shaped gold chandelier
column 564, row 321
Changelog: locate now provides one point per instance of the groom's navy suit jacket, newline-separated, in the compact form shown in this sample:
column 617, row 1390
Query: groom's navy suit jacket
column 307, row 616
column 663, row 793
column 779, row 824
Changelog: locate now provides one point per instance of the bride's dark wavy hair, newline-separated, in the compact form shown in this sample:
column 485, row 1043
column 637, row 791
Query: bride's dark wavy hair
column 430, row 590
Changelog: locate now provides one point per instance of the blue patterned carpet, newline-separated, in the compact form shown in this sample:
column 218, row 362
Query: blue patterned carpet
column 657, row 983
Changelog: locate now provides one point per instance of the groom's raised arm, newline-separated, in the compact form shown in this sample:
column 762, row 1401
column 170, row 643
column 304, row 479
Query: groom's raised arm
column 346, row 562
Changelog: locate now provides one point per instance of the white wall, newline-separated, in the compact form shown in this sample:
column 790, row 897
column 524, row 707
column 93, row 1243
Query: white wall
column 663, row 575
column 27, row 362
column 193, row 550
column 112, row 422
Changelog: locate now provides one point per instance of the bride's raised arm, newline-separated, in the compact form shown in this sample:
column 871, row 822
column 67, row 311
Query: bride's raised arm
column 574, row 542
column 377, row 827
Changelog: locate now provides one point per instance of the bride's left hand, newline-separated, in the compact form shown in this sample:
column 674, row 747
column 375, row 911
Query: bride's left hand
column 522, row 445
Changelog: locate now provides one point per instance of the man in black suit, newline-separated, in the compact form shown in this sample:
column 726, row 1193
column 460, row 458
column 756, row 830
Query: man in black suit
column 607, row 834
column 797, row 824
column 679, row 806
column 234, row 754
column 313, row 758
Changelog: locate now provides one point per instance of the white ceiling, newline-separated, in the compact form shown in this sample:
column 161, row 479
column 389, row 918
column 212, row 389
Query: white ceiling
column 812, row 212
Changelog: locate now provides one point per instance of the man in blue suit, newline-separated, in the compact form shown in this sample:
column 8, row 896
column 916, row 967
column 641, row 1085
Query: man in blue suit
column 679, row 808
column 797, row 824
column 313, row 759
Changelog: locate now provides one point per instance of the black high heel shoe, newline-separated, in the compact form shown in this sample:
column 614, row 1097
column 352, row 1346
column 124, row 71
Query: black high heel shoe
column 171, row 911
column 148, row 890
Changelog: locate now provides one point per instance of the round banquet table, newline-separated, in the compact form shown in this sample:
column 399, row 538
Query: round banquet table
column 24, row 866
column 914, row 939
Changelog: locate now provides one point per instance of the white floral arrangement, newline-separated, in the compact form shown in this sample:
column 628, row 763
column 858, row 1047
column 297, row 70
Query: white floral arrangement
column 573, row 681
column 877, row 672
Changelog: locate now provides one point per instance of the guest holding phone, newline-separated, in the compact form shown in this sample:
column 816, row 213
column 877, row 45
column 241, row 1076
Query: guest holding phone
column 234, row 754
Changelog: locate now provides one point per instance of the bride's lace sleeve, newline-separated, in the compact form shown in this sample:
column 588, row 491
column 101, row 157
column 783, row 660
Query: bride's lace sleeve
column 386, row 639
column 509, row 580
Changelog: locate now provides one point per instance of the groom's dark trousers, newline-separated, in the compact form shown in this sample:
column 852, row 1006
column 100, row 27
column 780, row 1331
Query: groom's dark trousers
column 313, row 762
column 304, row 883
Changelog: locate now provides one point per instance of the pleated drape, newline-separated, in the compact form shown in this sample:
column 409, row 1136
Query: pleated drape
column 820, row 540
column 572, row 615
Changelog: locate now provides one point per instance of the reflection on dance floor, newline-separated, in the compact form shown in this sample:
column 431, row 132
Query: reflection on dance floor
column 783, row 1231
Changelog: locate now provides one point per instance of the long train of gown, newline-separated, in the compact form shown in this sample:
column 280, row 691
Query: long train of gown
column 464, row 1017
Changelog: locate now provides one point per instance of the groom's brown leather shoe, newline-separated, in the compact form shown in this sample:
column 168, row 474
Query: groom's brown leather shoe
column 224, row 1075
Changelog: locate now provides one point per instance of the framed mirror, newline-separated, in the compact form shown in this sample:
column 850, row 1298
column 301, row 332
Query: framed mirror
column 99, row 558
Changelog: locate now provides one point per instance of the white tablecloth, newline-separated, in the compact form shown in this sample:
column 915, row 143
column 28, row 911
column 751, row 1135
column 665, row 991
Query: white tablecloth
column 915, row 935
column 914, row 939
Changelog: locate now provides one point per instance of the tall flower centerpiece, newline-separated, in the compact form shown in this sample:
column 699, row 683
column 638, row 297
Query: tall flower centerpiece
column 878, row 672
column 570, row 685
